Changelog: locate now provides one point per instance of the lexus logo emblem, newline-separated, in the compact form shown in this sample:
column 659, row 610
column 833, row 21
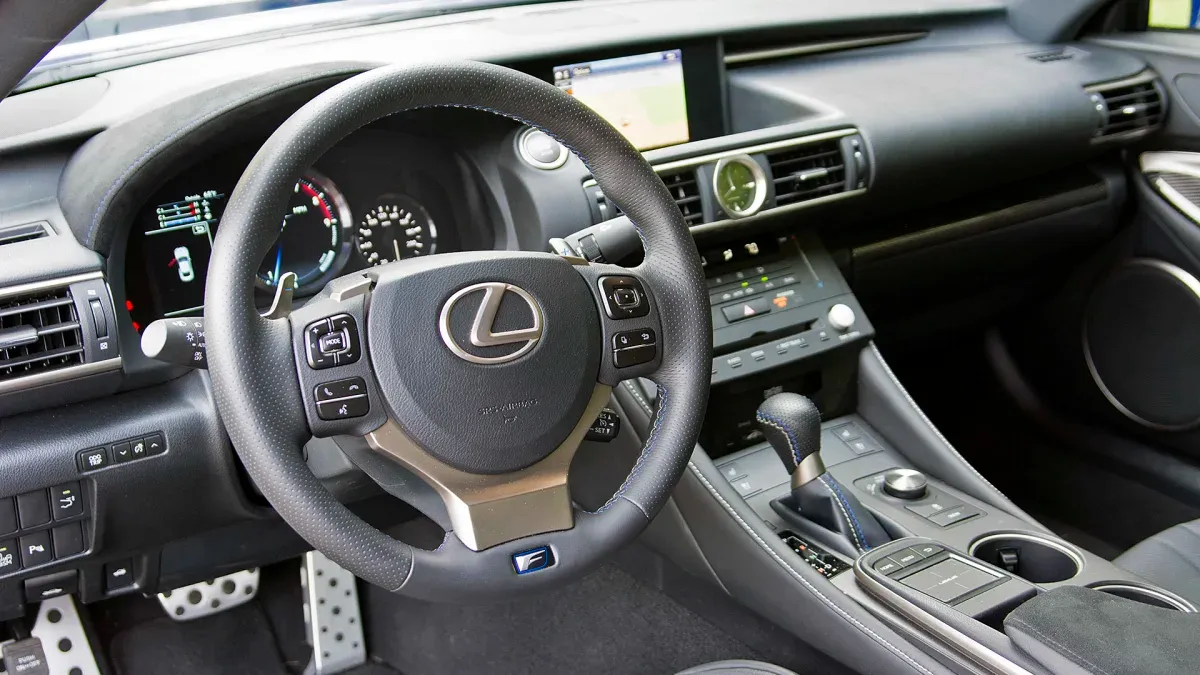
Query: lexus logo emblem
column 485, row 317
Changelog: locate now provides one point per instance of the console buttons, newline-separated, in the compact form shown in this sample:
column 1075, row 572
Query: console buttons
column 8, row 516
column 138, row 448
column 955, row 515
column 633, row 338
column 35, row 549
column 352, row 386
column 343, row 409
column 863, row 446
column 887, row 566
column 632, row 356
column 90, row 460
column 51, row 585
column 66, row 501
column 848, row 432
column 33, row 508
column 332, row 342
column 624, row 297
column 932, row 508
column 906, row 557
column 734, row 361
column 122, row 452
column 744, row 487
column 154, row 444
column 9, row 560
column 745, row 310
column 68, row 540
column 927, row 550
column 118, row 574
column 732, row 471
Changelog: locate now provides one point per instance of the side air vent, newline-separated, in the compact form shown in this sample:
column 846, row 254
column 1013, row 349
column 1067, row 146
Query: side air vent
column 39, row 332
column 1127, row 109
column 25, row 232
column 686, row 191
column 808, row 171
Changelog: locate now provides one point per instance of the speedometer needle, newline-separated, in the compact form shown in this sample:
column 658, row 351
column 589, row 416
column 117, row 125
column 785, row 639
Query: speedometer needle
column 278, row 263
column 396, row 247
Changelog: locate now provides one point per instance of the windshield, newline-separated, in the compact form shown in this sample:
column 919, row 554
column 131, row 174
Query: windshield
column 120, row 17
column 121, row 33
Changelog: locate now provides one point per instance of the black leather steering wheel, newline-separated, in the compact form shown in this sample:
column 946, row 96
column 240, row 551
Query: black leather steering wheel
column 478, row 372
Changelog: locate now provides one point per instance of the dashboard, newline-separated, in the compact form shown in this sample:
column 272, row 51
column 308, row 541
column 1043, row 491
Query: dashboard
column 883, row 132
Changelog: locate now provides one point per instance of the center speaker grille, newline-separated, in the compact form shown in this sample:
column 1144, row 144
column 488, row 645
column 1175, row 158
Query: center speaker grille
column 1141, row 339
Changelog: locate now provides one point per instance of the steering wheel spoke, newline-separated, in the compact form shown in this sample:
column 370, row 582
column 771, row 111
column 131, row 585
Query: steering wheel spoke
column 340, row 393
column 632, row 342
column 490, row 509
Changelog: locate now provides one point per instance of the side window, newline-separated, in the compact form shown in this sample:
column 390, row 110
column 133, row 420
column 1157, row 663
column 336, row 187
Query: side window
column 1174, row 14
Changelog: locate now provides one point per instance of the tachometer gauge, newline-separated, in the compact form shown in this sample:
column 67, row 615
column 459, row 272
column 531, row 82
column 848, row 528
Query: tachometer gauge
column 397, row 228
column 314, row 237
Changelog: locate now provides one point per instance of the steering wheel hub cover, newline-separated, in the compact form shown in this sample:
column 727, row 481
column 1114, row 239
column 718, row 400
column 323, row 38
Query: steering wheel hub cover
column 525, row 388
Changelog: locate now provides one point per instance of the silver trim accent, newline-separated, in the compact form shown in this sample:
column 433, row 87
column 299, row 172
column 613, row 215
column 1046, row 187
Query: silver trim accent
column 486, row 510
column 1061, row 547
column 281, row 306
column 1177, row 602
column 485, row 317
column 1185, row 163
column 960, row 643
column 1180, row 275
column 1137, row 78
column 81, row 370
column 35, row 286
column 563, row 153
column 809, row 469
column 822, row 47
column 760, row 185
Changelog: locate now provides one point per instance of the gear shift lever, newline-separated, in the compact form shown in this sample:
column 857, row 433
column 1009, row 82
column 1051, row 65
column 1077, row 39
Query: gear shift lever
column 792, row 425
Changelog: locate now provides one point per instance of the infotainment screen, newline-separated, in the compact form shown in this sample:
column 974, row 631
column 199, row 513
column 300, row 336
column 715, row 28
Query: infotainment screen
column 643, row 96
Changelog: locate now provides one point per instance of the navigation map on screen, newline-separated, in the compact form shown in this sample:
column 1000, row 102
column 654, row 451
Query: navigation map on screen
column 642, row 96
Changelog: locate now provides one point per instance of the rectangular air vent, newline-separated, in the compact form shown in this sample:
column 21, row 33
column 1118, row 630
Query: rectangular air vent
column 39, row 332
column 1129, row 108
column 808, row 171
column 686, row 191
column 24, row 232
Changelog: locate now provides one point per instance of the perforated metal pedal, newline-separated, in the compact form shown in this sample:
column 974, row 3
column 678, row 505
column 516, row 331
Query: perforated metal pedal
column 331, row 616
column 210, row 597
column 63, row 639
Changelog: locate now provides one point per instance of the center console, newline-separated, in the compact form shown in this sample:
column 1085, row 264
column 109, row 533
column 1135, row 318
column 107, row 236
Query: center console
column 961, row 557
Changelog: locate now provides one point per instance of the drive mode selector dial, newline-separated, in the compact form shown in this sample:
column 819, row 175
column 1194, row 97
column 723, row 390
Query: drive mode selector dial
column 905, row 483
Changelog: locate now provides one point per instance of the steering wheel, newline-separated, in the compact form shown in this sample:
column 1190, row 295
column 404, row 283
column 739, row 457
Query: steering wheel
column 479, row 372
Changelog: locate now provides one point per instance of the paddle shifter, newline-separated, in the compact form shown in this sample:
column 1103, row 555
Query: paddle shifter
column 792, row 425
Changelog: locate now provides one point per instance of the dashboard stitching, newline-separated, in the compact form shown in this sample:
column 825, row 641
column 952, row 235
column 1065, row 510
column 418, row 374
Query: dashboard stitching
column 840, row 499
column 191, row 126
column 749, row 530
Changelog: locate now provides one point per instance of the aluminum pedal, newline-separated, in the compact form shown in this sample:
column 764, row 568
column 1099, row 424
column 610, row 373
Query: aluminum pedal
column 332, row 617
column 210, row 597
column 63, row 639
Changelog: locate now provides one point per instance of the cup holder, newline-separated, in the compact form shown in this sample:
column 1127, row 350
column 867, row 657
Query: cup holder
column 1039, row 560
column 1148, row 596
